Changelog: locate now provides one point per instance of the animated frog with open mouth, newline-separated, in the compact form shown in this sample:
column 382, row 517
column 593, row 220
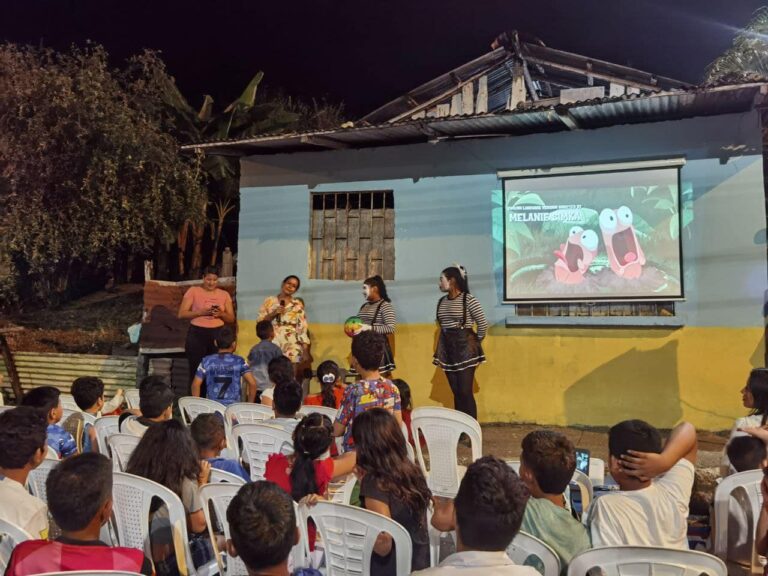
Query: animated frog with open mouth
column 625, row 255
column 575, row 256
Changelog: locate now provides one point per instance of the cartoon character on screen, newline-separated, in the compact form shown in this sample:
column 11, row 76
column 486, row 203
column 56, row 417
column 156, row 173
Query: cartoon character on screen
column 575, row 256
column 625, row 255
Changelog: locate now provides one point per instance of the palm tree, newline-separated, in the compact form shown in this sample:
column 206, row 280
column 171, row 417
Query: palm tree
column 747, row 56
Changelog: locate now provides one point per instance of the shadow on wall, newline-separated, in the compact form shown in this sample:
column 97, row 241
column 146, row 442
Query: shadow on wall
column 611, row 393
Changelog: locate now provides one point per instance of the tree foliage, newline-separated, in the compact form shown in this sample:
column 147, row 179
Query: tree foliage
column 748, row 55
column 87, row 171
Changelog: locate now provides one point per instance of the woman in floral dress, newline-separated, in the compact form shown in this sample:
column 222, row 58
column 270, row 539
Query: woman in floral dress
column 289, row 320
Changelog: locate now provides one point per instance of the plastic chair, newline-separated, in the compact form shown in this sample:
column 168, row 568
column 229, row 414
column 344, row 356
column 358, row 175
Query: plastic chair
column 191, row 407
column 132, row 497
column 523, row 546
column 247, row 413
column 744, row 488
column 617, row 560
column 341, row 491
column 68, row 402
column 596, row 471
column 255, row 443
column 10, row 536
column 442, row 428
column 73, row 422
column 325, row 410
column 132, row 398
column 223, row 477
column 105, row 427
column 348, row 534
column 51, row 454
column 38, row 476
column 216, row 499
column 4, row 408
column 121, row 446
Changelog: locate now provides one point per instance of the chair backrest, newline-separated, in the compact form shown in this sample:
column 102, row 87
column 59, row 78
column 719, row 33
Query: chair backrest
column 73, row 422
column 745, row 489
column 68, row 402
column 596, row 471
column 4, row 408
column 105, row 427
column 349, row 534
column 247, row 413
column 132, row 498
column 10, row 536
column 442, row 428
column 523, row 546
column 255, row 443
column 222, row 476
column 38, row 476
column 310, row 409
column 191, row 407
column 132, row 397
column 50, row 453
column 617, row 560
column 121, row 446
column 216, row 499
column 341, row 490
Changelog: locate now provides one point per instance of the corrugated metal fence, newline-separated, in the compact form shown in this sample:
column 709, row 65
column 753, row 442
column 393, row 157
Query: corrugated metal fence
column 48, row 369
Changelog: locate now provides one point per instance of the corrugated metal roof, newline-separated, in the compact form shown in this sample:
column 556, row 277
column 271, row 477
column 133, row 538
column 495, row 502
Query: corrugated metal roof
column 545, row 116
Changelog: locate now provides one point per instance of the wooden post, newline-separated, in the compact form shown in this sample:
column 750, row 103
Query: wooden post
column 467, row 99
column 517, row 90
column 481, row 104
column 10, row 365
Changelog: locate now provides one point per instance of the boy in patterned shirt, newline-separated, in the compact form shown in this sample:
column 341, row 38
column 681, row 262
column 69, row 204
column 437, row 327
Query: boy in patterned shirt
column 222, row 372
column 47, row 400
column 371, row 391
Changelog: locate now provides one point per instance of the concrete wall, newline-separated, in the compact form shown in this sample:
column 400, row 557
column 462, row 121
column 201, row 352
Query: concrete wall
column 447, row 210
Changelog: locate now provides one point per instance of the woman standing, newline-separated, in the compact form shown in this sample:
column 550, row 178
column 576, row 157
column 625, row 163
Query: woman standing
column 209, row 308
column 378, row 315
column 289, row 320
column 458, row 347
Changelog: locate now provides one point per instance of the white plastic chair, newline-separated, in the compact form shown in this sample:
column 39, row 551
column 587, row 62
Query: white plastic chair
column 348, row 534
column 68, row 402
column 10, row 536
column 132, row 398
column 132, row 497
column 4, row 408
column 222, row 476
column 247, row 413
column 51, row 454
column 442, row 428
column 121, row 446
column 618, row 560
column 744, row 488
column 341, row 490
column 325, row 410
column 216, row 499
column 596, row 471
column 38, row 476
column 255, row 442
column 524, row 546
column 191, row 407
column 105, row 427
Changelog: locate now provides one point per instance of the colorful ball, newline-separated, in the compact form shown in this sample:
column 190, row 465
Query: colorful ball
column 352, row 326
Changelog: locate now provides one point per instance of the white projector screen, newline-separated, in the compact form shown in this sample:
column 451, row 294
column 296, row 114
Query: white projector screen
column 593, row 236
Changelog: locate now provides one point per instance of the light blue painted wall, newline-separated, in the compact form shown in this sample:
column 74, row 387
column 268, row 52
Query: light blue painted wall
column 443, row 202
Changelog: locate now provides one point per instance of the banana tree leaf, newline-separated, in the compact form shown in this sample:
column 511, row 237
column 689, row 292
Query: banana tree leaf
column 206, row 110
column 248, row 97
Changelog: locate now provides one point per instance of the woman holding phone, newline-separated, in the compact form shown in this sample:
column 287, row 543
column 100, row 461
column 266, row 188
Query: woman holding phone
column 289, row 320
column 208, row 308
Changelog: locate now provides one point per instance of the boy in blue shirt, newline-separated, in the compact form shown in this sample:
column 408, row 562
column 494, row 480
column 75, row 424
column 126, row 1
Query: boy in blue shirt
column 209, row 436
column 223, row 371
column 262, row 354
column 46, row 400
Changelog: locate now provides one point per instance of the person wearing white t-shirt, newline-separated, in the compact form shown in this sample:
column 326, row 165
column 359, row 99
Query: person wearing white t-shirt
column 652, row 507
column 23, row 447
column 754, row 397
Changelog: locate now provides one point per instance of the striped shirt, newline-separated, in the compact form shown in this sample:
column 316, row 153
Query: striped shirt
column 450, row 314
column 385, row 321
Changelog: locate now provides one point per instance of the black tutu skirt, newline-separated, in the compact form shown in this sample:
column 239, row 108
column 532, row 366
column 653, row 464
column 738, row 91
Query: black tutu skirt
column 458, row 349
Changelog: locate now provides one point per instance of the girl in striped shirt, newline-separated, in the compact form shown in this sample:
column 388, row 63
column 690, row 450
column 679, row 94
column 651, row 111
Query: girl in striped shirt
column 458, row 347
column 378, row 315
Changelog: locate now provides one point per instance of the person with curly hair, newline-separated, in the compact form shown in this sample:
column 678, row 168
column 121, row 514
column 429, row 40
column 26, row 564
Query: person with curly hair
column 391, row 485
column 378, row 315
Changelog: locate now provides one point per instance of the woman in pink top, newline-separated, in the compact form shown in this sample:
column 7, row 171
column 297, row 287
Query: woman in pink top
column 208, row 308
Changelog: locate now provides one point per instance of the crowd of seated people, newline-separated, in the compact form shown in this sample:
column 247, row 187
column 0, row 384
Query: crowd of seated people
column 649, row 508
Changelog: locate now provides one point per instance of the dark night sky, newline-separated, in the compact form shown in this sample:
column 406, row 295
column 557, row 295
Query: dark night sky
column 366, row 52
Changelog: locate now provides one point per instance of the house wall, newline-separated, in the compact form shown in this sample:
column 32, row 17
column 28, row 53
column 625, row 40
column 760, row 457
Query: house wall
column 447, row 200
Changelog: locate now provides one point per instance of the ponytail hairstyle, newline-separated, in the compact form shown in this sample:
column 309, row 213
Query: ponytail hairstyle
column 458, row 274
column 757, row 384
column 378, row 282
column 328, row 375
column 311, row 439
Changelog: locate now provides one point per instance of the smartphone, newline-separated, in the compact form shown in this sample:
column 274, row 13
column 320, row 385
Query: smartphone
column 582, row 460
